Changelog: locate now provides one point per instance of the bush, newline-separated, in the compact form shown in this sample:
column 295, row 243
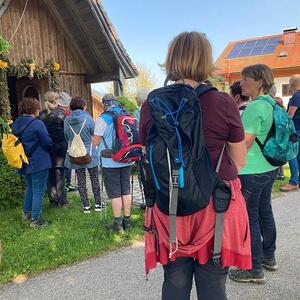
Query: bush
column 12, row 186
column 127, row 104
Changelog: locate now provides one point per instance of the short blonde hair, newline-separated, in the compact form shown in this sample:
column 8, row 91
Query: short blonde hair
column 262, row 72
column 190, row 57
column 51, row 100
column 295, row 80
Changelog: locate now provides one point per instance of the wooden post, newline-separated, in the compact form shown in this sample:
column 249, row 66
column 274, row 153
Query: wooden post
column 118, row 84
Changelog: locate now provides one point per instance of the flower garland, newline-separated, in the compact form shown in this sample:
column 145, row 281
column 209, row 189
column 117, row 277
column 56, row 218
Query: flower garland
column 25, row 68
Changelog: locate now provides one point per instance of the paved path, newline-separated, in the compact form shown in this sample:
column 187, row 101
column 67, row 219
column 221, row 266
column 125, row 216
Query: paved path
column 120, row 275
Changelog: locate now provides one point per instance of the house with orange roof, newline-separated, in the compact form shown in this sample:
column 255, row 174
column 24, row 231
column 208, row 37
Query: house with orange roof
column 281, row 52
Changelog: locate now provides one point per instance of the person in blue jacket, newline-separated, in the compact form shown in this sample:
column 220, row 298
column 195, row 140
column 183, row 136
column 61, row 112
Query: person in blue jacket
column 76, row 120
column 38, row 146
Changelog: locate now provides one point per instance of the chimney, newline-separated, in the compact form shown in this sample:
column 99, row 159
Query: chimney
column 289, row 35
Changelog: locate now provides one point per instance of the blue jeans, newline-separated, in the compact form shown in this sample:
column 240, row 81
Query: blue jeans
column 257, row 190
column 34, row 192
column 295, row 168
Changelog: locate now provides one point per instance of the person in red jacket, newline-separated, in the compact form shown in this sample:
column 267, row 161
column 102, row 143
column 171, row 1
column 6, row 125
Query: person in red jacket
column 190, row 56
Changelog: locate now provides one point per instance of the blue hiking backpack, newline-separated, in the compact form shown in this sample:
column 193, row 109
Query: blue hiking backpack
column 281, row 144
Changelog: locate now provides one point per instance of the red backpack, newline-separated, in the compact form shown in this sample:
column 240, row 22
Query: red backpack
column 126, row 145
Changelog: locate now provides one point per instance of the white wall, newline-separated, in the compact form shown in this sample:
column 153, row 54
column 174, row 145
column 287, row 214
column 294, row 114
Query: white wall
column 279, row 82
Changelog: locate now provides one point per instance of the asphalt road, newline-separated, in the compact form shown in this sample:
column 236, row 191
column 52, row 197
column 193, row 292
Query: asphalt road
column 120, row 275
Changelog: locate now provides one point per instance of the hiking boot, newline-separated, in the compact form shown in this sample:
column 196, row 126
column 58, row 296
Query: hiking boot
column 240, row 275
column 99, row 207
column 126, row 222
column 116, row 227
column 270, row 264
column 86, row 209
column 289, row 188
column 38, row 223
column 26, row 216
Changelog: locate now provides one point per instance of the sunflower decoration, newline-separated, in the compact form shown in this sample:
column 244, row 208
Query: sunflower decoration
column 3, row 65
column 32, row 68
column 56, row 67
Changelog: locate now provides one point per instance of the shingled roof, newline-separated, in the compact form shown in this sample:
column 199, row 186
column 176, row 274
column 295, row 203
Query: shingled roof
column 285, row 56
column 88, row 28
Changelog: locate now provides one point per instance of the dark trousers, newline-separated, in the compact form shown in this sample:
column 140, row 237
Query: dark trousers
column 94, row 176
column 68, row 174
column 178, row 280
column 56, row 186
column 257, row 191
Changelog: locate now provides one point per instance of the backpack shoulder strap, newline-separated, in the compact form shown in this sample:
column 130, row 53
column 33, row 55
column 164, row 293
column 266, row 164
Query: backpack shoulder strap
column 271, row 131
column 82, row 126
column 26, row 126
column 272, row 102
column 201, row 89
column 79, row 130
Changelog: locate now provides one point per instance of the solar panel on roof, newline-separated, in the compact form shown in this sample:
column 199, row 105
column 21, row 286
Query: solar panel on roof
column 256, row 51
column 250, row 44
column 273, row 41
column 239, row 46
column 269, row 49
column 261, row 43
column 254, row 47
column 244, row 52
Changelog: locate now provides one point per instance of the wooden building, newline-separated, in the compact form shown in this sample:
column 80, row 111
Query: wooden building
column 77, row 35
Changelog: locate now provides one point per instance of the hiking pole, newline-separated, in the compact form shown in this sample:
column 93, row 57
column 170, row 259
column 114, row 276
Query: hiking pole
column 140, row 170
column 102, row 190
column 132, row 185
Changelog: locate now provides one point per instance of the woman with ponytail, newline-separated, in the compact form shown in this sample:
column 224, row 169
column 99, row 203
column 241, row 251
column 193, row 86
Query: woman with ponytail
column 53, row 117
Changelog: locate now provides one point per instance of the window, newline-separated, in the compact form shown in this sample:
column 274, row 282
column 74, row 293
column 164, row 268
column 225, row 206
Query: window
column 286, row 91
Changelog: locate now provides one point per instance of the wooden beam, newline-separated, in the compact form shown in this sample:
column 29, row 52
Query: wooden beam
column 119, row 84
column 3, row 6
column 90, row 41
column 100, row 78
column 90, row 69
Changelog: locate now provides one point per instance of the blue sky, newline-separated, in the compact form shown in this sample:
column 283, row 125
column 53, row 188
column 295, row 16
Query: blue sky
column 146, row 27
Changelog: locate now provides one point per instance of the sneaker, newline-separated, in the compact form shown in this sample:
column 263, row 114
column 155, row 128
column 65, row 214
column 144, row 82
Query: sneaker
column 38, row 223
column 71, row 188
column 26, row 216
column 116, row 227
column 289, row 188
column 86, row 209
column 126, row 223
column 99, row 207
column 270, row 264
column 240, row 275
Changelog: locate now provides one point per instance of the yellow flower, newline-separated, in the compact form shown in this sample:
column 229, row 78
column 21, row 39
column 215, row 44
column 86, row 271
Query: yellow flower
column 3, row 64
column 56, row 67
column 32, row 66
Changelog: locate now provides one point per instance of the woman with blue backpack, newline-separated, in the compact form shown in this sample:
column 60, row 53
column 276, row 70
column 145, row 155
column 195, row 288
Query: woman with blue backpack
column 196, row 222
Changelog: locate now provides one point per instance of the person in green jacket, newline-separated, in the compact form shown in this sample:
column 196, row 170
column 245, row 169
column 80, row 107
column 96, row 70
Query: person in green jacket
column 257, row 176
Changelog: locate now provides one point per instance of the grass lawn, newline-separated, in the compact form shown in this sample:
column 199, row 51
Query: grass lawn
column 279, row 183
column 72, row 237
